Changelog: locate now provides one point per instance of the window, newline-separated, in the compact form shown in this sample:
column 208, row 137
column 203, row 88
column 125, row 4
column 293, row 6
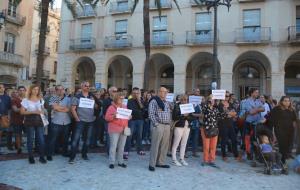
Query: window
column 121, row 27
column 203, row 21
column 88, row 10
column 251, row 24
column 9, row 43
column 122, row 6
column 12, row 9
column 56, row 46
column 86, row 33
column 160, row 24
column 55, row 67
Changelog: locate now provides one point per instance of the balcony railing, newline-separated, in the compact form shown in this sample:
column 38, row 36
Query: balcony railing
column 45, row 74
column 199, row 37
column 46, row 50
column 83, row 44
column 165, row 4
column 10, row 58
column 249, row 1
column 294, row 34
column 120, row 7
column 162, row 38
column 253, row 35
column 118, row 41
column 193, row 3
column 14, row 17
column 86, row 12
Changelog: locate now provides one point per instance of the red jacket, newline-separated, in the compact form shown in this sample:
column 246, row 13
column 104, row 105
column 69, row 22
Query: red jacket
column 115, row 125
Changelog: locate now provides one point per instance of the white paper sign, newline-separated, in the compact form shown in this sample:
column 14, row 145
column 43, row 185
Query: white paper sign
column 196, row 100
column 86, row 103
column 170, row 97
column 125, row 102
column 186, row 108
column 218, row 94
column 123, row 113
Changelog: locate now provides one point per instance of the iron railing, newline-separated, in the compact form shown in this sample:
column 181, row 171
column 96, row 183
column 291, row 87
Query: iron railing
column 294, row 33
column 11, row 58
column 120, row 7
column 118, row 41
column 165, row 4
column 253, row 35
column 199, row 37
column 13, row 17
column 162, row 38
column 83, row 44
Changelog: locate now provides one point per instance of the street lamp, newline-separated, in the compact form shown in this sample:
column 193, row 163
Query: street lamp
column 2, row 19
column 214, row 4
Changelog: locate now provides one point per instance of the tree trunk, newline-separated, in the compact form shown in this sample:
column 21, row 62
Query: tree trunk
column 42, row 41
column 146, row 42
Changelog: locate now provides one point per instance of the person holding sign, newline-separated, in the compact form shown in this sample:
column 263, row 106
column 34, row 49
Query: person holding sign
column 117, row 130
column 181, row 131
column 83, row 112
column 209, row 132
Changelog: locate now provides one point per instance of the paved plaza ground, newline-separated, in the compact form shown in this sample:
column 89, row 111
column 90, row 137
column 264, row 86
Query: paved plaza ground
column 95, row 175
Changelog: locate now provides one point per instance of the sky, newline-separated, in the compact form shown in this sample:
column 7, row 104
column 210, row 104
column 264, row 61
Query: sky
column 57, row 3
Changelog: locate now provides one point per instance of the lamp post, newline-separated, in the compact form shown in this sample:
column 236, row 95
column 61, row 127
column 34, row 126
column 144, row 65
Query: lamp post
column 2, row 20
column 214, row 4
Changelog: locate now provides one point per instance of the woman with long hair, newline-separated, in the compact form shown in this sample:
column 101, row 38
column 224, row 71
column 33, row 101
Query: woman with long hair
column 283, row 119
column 32, row 108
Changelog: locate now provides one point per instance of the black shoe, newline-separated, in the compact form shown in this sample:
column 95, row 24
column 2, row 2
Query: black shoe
column 31, row 160
column 122, row 165
column 19, row 151
column 151, row 168
column 66, row 155
column 42, row 160
column 162, row 166
column 85, row 157
column 111, row 166
column 9, row 147
column 49, row 158
column 71, row 161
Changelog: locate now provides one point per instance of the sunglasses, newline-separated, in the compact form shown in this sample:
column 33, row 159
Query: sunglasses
column 87, row 86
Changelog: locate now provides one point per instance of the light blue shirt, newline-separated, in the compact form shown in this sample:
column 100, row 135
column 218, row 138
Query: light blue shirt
column 251, row 104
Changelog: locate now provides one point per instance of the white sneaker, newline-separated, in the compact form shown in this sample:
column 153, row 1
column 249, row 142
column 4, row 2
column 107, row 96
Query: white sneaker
column 143, row 142
column 148, row 142
column 176, row 163
column 183, row 162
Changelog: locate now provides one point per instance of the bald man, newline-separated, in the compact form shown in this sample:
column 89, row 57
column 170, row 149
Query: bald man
column 160, row 117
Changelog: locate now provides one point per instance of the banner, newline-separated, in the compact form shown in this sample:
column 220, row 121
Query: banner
column 218, row 94
column 186, row 108
column 123, row 113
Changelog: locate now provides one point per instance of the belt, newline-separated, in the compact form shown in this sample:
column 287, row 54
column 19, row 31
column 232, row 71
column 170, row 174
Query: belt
column 165, row 123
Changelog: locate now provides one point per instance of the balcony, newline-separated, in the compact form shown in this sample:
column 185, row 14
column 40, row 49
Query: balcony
column 199, row 37
column 86, row 12
column 194, row 4
column 83, row 44
column 250, row 1
column 45, row 75
column 161, row 39
column 14, row 18
column 253, row 35
column 11, row 59
column 46, row 50
column 118, row 41
column 120, row 7
column 294, row 34
column 165, row 4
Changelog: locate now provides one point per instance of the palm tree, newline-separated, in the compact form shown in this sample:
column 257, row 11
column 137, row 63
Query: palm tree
column 146, row 22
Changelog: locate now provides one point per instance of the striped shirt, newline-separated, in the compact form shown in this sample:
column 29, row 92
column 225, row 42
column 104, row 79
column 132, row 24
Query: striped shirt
column 157, row 115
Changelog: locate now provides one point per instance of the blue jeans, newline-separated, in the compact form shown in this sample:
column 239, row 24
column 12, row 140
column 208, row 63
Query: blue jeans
column 194, row 135
column 146, row 129
column 96, row 132
column 85, row 129
column 39, row 134
column 55, row 131
column 136, row 127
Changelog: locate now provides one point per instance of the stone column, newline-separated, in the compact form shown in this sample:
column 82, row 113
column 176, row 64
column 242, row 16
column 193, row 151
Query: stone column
column 277, row 85
column 179, row 82
column 226, row 81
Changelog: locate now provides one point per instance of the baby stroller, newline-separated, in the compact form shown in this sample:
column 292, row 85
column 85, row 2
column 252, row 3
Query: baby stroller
column 266, row 153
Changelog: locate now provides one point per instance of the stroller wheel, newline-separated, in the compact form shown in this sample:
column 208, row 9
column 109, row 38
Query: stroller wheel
column 267, row 171
column 285, row 171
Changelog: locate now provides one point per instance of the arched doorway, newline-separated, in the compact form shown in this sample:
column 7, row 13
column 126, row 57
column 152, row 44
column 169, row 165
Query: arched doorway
column 85, row 71
column 161, row 72
column 292, row 76
column 251, row 70
column 199, row 72
column 120, row 72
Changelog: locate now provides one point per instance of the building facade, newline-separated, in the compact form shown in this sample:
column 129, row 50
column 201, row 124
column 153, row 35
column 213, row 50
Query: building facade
column 18, row 43
column 258, row 46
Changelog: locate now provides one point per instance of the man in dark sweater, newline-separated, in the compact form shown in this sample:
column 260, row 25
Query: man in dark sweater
column 136, row 123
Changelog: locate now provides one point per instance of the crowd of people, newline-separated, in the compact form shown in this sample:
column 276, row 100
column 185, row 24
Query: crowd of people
column 58, row 121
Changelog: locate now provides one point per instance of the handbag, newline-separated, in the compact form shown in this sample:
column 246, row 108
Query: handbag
column 4, row 121
column 212, row 132
column 45, row 120
column 33, row 120
column 127, row 131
